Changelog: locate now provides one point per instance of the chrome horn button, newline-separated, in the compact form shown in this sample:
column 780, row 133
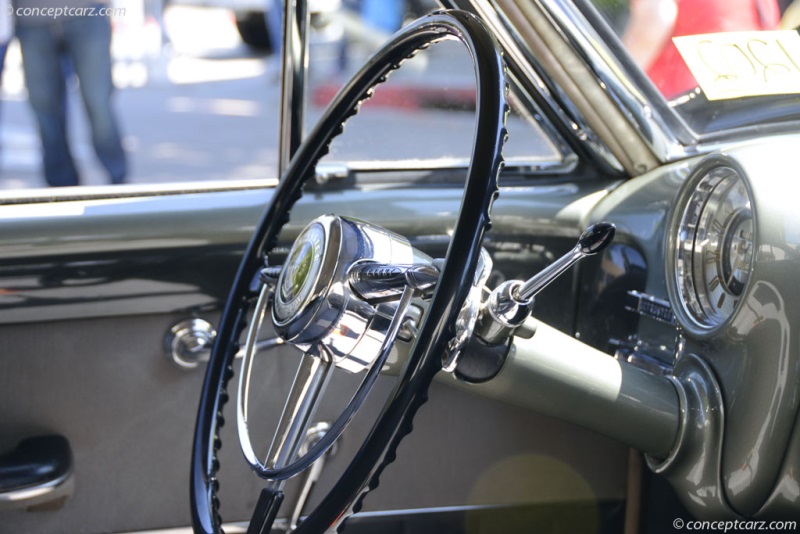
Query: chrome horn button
column 302, row 266
column 299, row 285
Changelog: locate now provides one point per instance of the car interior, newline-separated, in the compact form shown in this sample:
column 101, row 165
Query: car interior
column 555, row 301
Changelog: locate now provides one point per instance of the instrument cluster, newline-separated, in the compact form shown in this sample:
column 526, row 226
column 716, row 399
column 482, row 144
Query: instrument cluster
column 713, row 249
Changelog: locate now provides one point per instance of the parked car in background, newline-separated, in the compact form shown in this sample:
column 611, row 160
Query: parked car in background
column 504, row 282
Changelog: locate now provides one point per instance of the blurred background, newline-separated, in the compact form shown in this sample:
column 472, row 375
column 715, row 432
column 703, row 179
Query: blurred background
column 198, row 93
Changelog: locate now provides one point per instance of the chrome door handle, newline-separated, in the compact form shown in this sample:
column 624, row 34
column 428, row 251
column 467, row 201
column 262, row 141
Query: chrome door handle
column 36, row 472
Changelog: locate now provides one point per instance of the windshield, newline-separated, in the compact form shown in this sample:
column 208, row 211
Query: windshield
column 720, row 64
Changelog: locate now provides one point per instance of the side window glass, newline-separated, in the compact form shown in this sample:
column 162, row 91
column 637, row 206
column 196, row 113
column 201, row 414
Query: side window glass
column 155, row 92
column 194, row 95
column 423, row 115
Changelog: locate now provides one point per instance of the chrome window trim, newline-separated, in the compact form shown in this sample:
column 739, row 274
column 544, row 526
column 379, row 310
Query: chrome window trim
column 522, row 58
column 610, row 73
column 662, row 129
column 567, row 165
column 102, row 192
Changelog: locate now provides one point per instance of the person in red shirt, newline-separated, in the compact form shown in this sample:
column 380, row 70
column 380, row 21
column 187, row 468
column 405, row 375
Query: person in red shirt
column 653, row 24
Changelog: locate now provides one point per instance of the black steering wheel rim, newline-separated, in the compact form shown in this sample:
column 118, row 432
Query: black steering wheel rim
column 410, row 393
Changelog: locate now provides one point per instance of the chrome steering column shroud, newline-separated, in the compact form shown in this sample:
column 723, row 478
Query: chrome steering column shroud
column 315, row 303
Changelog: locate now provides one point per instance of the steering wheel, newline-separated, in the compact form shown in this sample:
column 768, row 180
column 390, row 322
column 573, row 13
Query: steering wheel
column 316, row 299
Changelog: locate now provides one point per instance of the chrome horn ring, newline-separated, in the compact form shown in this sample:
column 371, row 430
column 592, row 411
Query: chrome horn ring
column 316, row 310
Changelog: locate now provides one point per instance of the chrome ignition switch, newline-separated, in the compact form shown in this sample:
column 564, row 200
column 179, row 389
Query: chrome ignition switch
column 510, row 303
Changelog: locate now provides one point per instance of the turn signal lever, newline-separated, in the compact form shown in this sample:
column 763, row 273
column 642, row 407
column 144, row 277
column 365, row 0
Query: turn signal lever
column 510, row 303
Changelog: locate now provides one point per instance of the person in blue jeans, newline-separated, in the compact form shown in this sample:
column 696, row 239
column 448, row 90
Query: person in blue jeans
column 86, row 42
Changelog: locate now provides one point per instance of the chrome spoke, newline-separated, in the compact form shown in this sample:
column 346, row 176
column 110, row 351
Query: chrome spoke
column 244, row 377
column 308, row 387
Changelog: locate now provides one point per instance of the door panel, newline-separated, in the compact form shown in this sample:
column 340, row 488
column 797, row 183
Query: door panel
column 129, row 415
column 87, row 301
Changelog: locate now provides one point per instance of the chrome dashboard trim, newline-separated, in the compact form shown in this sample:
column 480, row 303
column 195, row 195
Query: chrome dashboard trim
column 647, row 305
column 694, row 462
column 693, row 312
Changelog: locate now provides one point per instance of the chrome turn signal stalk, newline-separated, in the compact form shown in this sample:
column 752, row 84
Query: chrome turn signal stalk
column 374, row 281
column 510, row 303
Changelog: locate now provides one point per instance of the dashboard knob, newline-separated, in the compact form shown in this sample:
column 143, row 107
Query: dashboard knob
column 596, row 238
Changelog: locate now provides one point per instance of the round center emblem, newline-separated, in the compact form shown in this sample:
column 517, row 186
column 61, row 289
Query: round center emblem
column 297, row 270
column 300, row 273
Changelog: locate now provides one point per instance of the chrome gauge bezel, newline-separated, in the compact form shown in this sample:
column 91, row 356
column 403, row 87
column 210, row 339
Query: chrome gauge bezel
column 712, row 247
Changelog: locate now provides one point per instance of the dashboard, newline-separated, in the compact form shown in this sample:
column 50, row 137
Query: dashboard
column 703, row 273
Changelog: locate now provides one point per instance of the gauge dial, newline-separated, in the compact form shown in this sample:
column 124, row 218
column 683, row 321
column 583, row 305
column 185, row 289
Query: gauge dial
column 715, row 247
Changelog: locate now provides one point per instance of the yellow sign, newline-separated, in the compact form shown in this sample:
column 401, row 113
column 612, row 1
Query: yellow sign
column 741, row 64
